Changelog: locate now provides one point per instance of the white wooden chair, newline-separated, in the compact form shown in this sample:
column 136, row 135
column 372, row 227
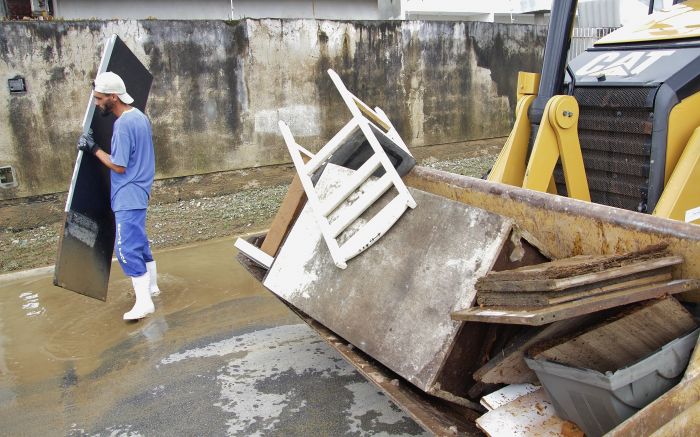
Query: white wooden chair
column 372, row 123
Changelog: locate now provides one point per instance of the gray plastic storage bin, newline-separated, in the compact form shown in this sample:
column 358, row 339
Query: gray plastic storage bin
column 598, row 402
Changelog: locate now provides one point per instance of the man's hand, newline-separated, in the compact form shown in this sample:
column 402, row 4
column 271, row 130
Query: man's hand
column 87, row 144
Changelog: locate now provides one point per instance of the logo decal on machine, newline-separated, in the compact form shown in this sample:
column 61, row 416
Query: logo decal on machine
column 622, row 63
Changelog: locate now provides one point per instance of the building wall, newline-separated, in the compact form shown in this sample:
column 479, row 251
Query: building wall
column 220, row 9
column 220, row 87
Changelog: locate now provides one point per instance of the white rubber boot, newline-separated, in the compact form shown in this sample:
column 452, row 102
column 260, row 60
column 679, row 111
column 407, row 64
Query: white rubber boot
column 151, row 266
column 144, row 304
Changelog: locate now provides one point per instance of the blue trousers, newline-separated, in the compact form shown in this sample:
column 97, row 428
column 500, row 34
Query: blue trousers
column 131, row 243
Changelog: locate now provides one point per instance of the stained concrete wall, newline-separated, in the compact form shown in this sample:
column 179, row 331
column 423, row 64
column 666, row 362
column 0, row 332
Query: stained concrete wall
column 220, row 87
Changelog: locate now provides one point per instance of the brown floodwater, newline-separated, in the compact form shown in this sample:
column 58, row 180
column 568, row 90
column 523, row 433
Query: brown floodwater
column 43, row 326
column 221, row 356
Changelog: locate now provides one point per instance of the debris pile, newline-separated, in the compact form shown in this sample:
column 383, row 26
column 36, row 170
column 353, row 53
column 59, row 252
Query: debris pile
column 465, row 313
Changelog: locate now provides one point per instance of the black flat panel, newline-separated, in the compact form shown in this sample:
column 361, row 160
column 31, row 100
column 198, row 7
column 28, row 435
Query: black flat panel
column 87, row 242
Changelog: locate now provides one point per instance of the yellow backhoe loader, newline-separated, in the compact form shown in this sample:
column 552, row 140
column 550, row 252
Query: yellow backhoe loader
column 624, row 124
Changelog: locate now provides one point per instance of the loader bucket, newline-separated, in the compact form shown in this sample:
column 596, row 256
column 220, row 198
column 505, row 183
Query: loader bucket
column 567, row 227
column 558, row 227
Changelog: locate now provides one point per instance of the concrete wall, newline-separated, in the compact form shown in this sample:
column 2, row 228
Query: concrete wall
column 220, row 87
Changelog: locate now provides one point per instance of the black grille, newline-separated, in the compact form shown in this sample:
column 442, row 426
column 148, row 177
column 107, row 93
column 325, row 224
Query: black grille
column 633, row 121
column 615, row 127
column 615, row 97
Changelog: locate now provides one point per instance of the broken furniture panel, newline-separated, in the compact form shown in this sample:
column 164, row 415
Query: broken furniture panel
column 394, row 302
column 85, row 248
column 384, row 219
column 530, row 415
column 507, row 395
column 263, row 254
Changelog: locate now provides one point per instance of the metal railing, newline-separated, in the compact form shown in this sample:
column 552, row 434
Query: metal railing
column 584, row 37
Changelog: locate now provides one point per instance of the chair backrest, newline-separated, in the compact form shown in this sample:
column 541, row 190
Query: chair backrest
column 335, row 214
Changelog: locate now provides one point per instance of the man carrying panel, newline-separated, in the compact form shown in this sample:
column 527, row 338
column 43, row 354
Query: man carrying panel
column 132, row 165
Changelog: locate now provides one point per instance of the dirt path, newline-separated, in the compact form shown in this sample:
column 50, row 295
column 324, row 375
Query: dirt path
column 181, row 222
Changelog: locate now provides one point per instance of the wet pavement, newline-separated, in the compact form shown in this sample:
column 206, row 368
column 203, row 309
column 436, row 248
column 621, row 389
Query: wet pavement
column 221, row 356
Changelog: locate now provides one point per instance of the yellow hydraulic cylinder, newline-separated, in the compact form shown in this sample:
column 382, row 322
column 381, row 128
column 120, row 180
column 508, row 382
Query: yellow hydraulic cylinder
column 557, row 138
column 527, row 84
column 681, row 197
column 510, row 164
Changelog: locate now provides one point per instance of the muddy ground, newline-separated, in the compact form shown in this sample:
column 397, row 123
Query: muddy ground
column 200, row 208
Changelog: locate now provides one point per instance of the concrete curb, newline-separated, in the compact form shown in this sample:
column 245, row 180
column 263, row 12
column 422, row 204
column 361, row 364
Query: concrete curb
column 26, row 274
column 40, row 271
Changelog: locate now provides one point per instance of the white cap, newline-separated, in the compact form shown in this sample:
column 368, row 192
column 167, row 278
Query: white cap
column 110, row 83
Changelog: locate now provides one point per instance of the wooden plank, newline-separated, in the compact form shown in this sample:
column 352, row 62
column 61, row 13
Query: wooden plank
column 531, row 415
column 609, row 346
column 292, row 203
column 576, row 281
column 530, row 299
column 509, row 367
column 658, row 278
column 369, row 113
column 251, row 267
column 254, row 253
column 541, row 316
column 579, row 265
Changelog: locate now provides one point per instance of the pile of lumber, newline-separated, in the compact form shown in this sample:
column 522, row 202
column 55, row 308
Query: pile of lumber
column 560, row 297
column 575, row 278
column 566, row 288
